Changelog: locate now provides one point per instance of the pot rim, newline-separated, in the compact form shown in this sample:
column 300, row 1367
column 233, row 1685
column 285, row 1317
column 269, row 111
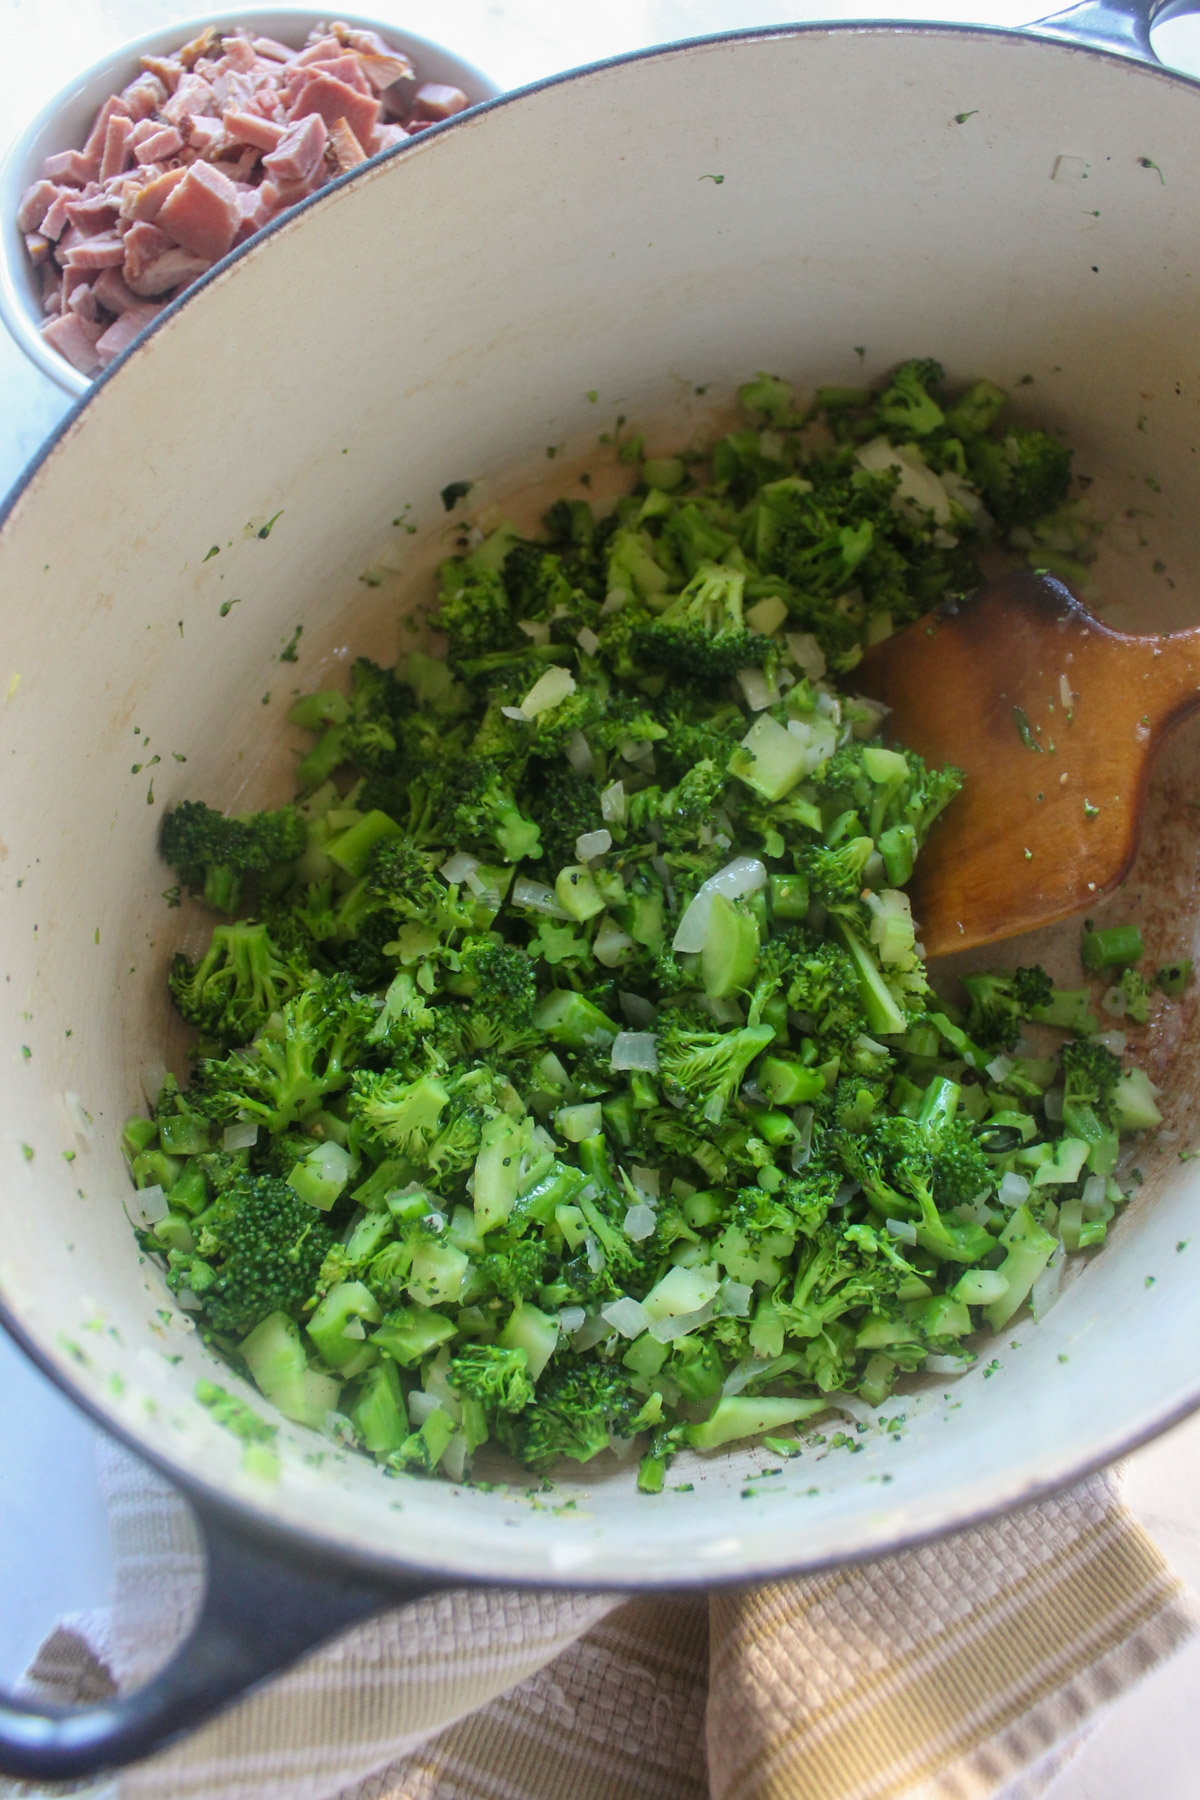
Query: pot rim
column 256, row 1521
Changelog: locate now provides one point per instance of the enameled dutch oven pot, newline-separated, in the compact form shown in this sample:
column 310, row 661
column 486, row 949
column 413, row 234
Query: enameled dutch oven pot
column 1015, row 204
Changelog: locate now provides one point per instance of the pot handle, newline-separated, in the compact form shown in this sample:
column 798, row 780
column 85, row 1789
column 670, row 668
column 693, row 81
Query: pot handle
column 264, row 1606
column 1119, row 26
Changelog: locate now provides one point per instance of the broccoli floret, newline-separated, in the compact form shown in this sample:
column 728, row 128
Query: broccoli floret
column 481, row 810
column 213, row 855
column 1023, row 476
column 813, row 976
column 1090, row 1076
column 304, row 1053
column 702, row 633
column 259, row 1251
column 575, row 1411
column 701, row 1071
column 906, row 407
column 496, row 1377
column 836, row 875
column 242, row 978
column 998, row 1003
column 474, row 611
column 566, row 805
column 517, row 1272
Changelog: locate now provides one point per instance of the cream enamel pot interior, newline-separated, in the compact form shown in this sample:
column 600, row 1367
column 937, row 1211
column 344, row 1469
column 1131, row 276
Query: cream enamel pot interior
column 444, row 315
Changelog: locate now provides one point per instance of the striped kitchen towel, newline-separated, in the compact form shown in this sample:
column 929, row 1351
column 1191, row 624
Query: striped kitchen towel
column 963, row 1669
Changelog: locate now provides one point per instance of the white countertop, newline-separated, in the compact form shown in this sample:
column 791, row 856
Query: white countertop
column 54, row 1550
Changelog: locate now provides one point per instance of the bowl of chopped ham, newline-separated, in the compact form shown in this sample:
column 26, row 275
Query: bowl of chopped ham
column 153, row 165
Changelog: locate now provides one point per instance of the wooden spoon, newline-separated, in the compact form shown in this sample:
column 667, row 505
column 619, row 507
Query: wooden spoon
column 1054, row 719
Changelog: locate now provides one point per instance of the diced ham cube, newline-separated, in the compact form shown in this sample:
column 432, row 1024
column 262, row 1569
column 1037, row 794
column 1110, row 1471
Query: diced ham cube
column 381, row 65
column 201, row 134
column 114, row 108
column 144, row 244
column 52, row 300
column 167, row 69
column 316, row 51
column 333, row 100
column 272, row 50
column 113, row 293
column 202, row 213
column 68, row 241
column 105, row 252
column 116, row 154
column 37, row 248
column 71, row 167
column 239, row 53
column 347, row 151
column 36, row 202
column 146, row 202
column 56, row 219
column 76, row 339
column 121, row 333
column 241, row 170
column 204, row 40
column 252, row 128
column 82, row 300
column 435, row 100
column 193, row 98
column 258, row 208
column 159, row 145
column 300, row 151
column 94, row 214
column 174, row 268
column 386, row 136
column 144, row 96
column 343, row 68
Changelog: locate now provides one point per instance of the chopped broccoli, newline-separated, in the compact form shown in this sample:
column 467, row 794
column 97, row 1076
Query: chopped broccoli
column 258, row 1250
column 213, row 855
column 237, row 984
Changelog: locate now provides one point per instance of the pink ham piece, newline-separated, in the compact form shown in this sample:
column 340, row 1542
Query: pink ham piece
column 381, row 65
column 114, row 107
column 146, row 202
column 83, row 301
column 174, row 268
column 121, row 333
column 347, row 151
column 160, row 143
column 343, row 68
column 113, row 293
column 300, row 152
column 333, row 100
column 252, row 128
column 116, row 154
column 202, row 214
column 386, row 136
column 239, row 57
column 56, row 220
column 76, row 339
column 96, row 212
column 167, row 69
column 144, row 96
column 316, row 52
column 202, row 134
column 272, row 50
column 193, row 98
column 37, row 248
column 35, row 204
column 104, row 252
column 71, row 167
column 435, row 100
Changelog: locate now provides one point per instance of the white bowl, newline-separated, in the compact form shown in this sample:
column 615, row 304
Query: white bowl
column 63, row 123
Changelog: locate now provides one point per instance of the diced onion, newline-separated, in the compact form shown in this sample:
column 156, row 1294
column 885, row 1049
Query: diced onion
column 152, row 1076
column 1045, row 1289
column 635, row 1050
column 1095, row 1191
column 1115, row 1002
column 902, row 1229
column 610, row 943
column 454, row 1457
column 626, row 1316
column 1064, row 692
column 513, row 712
column 802, row 1119
column 420, row 1405
column 637, row 1009
column 615, row 601
column 759, row 692
column 646, row 1181
column 806, row 653
column 354, row 1328
column 639, row 1223
column 733, row 1299
column 570, row 1319
column 861, row 1411
column 593, row 1331
column 587, row 640
column 1113, row 1040
column 579, row 753
column 1000, row 1067
column 537, row 897
column 844, row 1195
column 1013, row 1189
column 242, row 1136
column 744, row 875
column 536, row 630
column 613, row 803
column 151, row 1203
column 639, row 752
column 948, row 1365
column 741, row 1375
column 1052, row 1100
column 621, row 1447
column 78, row 1117
column 596, row 1260
column 556, row 685
column 679, row 1324
column 188, row 1300
column 592, row 843
column 456, row 868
